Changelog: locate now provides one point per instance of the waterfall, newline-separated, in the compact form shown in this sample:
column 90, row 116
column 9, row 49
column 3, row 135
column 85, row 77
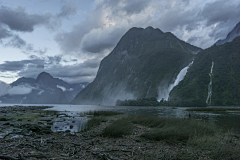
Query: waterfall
column 163, row 92
column 209, row 97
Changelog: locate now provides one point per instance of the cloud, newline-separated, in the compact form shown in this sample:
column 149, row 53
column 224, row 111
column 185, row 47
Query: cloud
column 97, row 40
column 222, row 16
column 67, row 10
column 4, row 88
column 19, row 90
column 20, row 65
column 15, row 90
column 75, row 73
column 4, row 33
column 109, row 20
column 18, row 20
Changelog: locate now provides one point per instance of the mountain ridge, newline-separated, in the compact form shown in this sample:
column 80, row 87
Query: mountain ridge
column 141, row 59
column 45, row 89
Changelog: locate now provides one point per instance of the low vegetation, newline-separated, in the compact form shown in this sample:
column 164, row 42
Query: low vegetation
column 118, row 128
column 95, row 121
column 213, row 109
column 142, row 102
column 103, row 113
column 195, row 135
column 98, row 117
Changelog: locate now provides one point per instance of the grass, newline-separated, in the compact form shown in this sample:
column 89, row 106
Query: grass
column 173, row 129
column 196, row 136
column 98, row 117
column 95, row 121
column 213, row 109
column 103, row 113
column 118, row 128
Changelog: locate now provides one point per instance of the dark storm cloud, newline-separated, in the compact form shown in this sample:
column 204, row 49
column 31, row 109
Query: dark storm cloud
column 18, row 20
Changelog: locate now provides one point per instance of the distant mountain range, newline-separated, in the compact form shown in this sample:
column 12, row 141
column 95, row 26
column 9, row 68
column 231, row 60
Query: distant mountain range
column 43, row 90
column 144, row 63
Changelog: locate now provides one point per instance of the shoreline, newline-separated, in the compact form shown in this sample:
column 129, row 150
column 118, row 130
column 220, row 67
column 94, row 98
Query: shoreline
column 37, row 141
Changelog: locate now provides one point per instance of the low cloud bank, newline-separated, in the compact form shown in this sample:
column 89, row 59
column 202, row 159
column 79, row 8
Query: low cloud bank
column 14, row 90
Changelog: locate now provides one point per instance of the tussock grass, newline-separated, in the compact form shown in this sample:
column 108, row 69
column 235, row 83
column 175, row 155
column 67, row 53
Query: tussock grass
column 118, row 128
column 173, row 129
column 98, row 117
column 103, row 113
column 213, row 109
column 95, row 121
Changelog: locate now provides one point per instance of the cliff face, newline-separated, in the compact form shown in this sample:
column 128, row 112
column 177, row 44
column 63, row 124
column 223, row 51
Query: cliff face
column 213, row 79
column 143, row 60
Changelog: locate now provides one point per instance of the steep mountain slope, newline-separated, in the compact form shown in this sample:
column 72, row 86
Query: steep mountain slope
column 143, row 60
column 231, row 35
column 44, row 90
column 213, row 79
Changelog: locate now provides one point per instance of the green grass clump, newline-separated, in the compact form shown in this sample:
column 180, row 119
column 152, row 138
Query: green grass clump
column 103, row 113
column 118, row 128
column 174, row 129
column 95, row 121
column 213, row 109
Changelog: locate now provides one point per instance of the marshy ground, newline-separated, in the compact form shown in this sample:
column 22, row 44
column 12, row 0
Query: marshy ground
column 113, row 136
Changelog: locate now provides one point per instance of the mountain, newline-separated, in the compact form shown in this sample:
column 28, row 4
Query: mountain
column 23, row 80
column 45, row 89
column 233, row 34
column 142, row 61
column 213, row 79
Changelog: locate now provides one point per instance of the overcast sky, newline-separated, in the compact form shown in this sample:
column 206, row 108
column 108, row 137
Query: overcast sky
column 69, row 38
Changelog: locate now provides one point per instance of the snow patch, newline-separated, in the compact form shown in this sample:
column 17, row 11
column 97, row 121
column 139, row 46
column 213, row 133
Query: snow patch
column 62, row 88
column 40, row 93
column 70, row 89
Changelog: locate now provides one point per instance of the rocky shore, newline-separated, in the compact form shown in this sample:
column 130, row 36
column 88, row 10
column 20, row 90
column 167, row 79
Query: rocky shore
column 29, row 141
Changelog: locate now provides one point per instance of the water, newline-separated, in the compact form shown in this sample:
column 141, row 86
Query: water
column 164, row 92
column 209, row 97
column 72, row 116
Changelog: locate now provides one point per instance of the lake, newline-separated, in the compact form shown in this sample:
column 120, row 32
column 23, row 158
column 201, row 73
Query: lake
column 76, row 119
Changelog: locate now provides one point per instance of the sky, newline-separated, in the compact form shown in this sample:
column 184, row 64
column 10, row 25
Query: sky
column 69, row 38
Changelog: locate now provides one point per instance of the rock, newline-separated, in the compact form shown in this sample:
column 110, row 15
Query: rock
column 3, row 119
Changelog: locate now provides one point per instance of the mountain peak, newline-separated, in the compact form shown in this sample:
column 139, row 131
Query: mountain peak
column 149, row 28
column 44, row 76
